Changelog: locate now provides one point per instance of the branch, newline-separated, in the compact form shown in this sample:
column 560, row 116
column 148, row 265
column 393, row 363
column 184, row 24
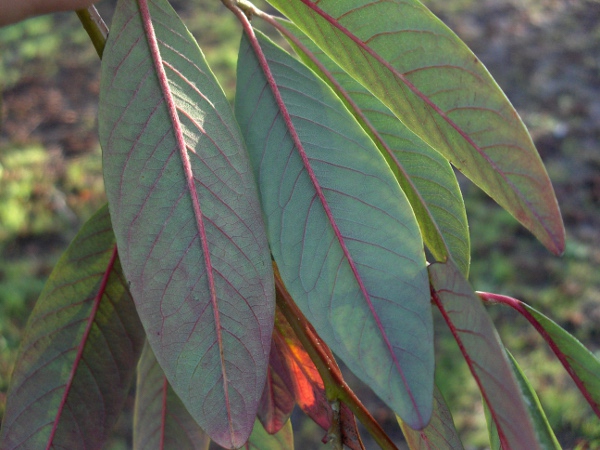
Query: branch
column 96, row 28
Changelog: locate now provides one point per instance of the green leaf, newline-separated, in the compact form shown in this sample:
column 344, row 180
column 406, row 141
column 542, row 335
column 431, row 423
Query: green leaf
column 432, row 82
column 579, row 362
column 484, row 353
column 161, row 420
column 439, row 434
column 187, row 218
column 341, row 230
column 422, row 172
column 261, row 440
column 544, row 432
column 79, row 352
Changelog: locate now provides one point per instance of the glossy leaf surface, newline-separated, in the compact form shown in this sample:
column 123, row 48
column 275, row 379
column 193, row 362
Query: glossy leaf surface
column 161, row 421
column 79, row 352
column 187, row 218
column 432, row 82
column 426, row 177
column 261, row 440
column 341, row 230
column 484, row 353
column 439, row 434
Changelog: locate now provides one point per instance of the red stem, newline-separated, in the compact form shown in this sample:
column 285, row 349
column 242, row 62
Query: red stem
column 519, row 306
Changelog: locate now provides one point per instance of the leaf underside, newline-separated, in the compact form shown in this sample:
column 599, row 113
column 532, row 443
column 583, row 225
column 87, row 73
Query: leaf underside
column 186, row 217
column 543, row 430
column 434, row 84
column 484, row 353
column 439, row 434
column 160, row 418
column 426, row 177
column 79, row 352
column 340, row 228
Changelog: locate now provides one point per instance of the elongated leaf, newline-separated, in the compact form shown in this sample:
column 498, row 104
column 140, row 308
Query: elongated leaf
column 277, row 401
column 161, row 420
column 580, row 363
column 261, row 440
column 440, row 434
column 477, row 338
column 422, row 172
column 543, row 430
column 187, row 218
column 341, row 230
column 78, row 356
column 432, row 82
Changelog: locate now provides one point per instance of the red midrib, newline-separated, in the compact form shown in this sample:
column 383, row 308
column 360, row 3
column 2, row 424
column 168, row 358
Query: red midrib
column 556, row 240
column 298, row 144
column 82, row 343
column 189, row 176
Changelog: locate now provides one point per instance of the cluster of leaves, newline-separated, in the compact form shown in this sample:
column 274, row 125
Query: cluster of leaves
column 240, row 250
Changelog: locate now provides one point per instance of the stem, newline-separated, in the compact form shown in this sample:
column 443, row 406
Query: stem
column 335, row 385
column 96, row 28
column 519, row 306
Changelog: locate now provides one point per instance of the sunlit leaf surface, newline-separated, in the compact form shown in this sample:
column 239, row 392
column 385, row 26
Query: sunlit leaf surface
column 484, row 353
column 187, row 218
column 426, row 177
column 160, row 419
column 341, row 230
column 79, row 352
column 430, row 80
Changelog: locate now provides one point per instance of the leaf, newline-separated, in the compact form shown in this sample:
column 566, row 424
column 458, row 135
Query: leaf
column 484, row 353
column 277, row 401
column 422, row 172
column 544, row 432
column 308, row 386
column 261, row 440
column 432, row 82
column 439, row 434
column 341, row 230
column 78, row 355
column 580, row 363
column 187, row 218
column 160, row 419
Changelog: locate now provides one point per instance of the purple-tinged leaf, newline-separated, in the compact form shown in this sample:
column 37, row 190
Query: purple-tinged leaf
column 161, row 421
column 341, row 230
column 187, row 218
column 480, row 345
column 440, row 90
column 580, row 363
column 261, row 440
column 421, row 171
column 543, row 430
column 79, row 352
column 439, row 434
column 277, row 401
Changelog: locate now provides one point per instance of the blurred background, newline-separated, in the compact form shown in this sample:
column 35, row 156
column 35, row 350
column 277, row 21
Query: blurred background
column 545, row 54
